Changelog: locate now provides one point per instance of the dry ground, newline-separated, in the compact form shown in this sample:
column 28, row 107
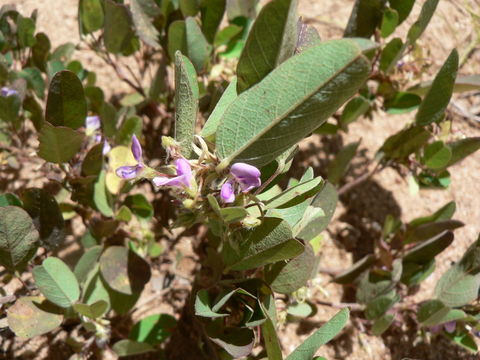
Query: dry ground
column 361, row 212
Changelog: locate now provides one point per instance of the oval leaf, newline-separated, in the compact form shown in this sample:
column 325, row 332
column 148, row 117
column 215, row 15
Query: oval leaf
column 291, row 102
column 57, row 282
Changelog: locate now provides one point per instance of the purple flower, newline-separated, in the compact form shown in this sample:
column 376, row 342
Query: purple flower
column 247, row 176
column 449, row 327
column 183, row 178
column 227, row 193
column 5, row 91
column 131, row 172
column 106, row 148
column 136, row 149
column 92, row 123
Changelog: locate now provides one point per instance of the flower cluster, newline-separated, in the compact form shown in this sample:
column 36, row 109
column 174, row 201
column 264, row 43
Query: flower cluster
column 242, row 178
column 245, row 176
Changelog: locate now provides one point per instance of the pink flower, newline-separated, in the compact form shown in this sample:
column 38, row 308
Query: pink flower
column 131, row 172
column 183, row 178
column 247, row 177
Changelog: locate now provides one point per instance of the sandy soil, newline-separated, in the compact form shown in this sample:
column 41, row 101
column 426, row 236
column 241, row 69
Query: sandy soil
column 361, row 212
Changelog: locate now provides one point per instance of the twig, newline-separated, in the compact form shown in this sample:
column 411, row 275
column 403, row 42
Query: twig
column 7, row 299
column 341, row 305
column 361, row 179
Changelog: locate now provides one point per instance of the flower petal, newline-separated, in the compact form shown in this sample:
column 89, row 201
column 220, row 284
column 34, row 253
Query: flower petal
column 106, row 148
column 92, row 123
column 183, row 167
column 136, row 149
column 248, row 176
column 450, row 326
column 178, row 181
column 128, row 172
column 227, row 194
column 6, row 91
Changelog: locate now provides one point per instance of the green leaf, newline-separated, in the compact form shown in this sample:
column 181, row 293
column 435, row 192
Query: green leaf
column 300, row 310
column 457, row 287
column 272, row 344
column 427, row 250
column 238, row 342
column 366, row 16
column 118, row 32
column 10, row 199
column 34, row 79
column 444, row 213
column 66, row 103
column 101, row 197
column 417, row 29
column 18, row 238
column 465, row 340
column 433, row 106
column 287, row 277
column 390, row 54
column 203, row 305
column 426, row 231
column 186, row 103
column 382, row 324
column 351, row 274
column 241, row 8
column 9, row 109
column 93, row 162
column 177, row 38
column 403, row 8
column 402, row 102
column 436, row 155
column 389, row 22
column 318, row 214
column 143, row 13
column 327, row 332
column 290, row 102
column 90, row 15
column 153, row 329
column 86, row 263
column 434, row 312
column 94, row 289
column 129, row 347
column 413, row 274
column 93, row 311
column 295, row 195
column 372, row 286
column 25, row 32
column 198, row 49
column 379, row 306
column 32, row 316
column 271, row 41
column 132, row 125
column 405, row 142
column 212, row 14
column 47, row 216
column 268, row 243
column 228, row 96
column 189, row 7
column 140, row 206
column 123, row 270
column 462, row 148
column 462, row 84
column 187, row 37
column 355, row 108
column 232, row 215
column 57, row 282
column 226, row 35
column 338, row 167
